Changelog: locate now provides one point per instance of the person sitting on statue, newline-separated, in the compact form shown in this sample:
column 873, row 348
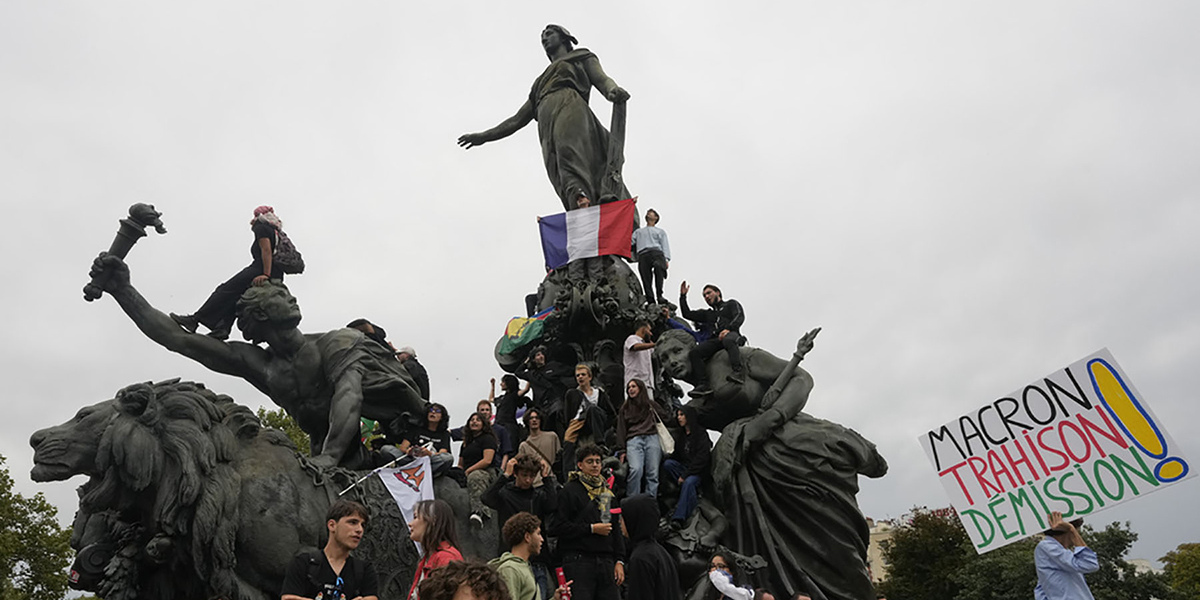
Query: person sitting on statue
column 218, row 312
column 727, row 317
column 504, row 445
column 653, row 256
column 689, row 464
column 408, row 357
column 432, row 440
column 372, row 331
column 476, row 459
column 325, row 381
column 589, row 404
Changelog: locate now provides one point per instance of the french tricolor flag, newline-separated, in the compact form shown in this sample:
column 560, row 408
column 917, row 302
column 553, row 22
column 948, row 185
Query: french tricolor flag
column 587, row 232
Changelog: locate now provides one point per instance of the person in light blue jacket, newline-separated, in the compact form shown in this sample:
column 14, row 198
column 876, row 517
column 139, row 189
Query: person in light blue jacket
column 653, row 256
column 1062, row 559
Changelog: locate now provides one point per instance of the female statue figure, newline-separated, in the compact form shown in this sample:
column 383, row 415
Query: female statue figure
column 575, row 146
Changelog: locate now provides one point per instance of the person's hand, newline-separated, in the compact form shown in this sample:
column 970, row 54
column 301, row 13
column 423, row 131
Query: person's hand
column 573, row 429
column 112, row 271
column 635, row 199
column 493, row 380
column 261, row 279
column 508, row 467
column 470, row 140
column 721, row 336
column 680, row 481
column 619, row 573
column 563, row 591
column 602, row 528
column 805, row 345
column 617, row 94
column 683, row 288
column 545, row 467
column 1058, row 524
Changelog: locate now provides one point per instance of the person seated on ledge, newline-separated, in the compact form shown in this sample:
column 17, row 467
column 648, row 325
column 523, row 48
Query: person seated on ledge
column 432, row 440
column 325, row 381
column 408, row 356
column 372, row 331
column 218, row 312
column 475, row 458
column 689, row 464
column 727, row 317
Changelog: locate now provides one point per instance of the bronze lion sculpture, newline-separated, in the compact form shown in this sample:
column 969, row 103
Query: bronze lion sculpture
column 189, row 496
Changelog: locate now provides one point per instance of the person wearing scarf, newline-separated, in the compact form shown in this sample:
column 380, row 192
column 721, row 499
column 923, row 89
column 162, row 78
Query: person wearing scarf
column 218, row 312
column 589, row 534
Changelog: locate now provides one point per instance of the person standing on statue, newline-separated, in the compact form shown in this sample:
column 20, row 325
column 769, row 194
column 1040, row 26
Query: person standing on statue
column 218, row 312
column 653, row 251
column 575, row 146
column 726, row 317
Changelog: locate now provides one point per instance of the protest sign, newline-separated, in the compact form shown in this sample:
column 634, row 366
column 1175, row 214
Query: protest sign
column 1076, row 441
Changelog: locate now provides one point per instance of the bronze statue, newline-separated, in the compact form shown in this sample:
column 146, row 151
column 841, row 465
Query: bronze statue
column 788, row 479
column 581, row 159
column 325, row 381
column 189, row 496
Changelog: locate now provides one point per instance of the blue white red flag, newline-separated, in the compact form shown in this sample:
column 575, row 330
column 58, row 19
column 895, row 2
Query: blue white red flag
column 587, row 232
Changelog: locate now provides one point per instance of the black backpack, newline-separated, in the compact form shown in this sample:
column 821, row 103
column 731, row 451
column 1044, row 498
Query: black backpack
column 286, row 255
column 317, row 556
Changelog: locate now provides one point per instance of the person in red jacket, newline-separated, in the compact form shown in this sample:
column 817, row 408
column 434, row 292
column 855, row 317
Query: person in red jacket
column 432, row 527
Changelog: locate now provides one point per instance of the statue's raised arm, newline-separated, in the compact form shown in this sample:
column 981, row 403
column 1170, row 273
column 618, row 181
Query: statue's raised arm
column 576, row 148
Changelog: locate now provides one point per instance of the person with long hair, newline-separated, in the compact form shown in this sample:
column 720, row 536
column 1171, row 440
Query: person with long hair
column 539, row 442
column 432, row 440
column 690, row 462
column 219, row 311
column 722, row 573
column 637, row 431
column 590, row 404
column 432, row 526
column 475, row 458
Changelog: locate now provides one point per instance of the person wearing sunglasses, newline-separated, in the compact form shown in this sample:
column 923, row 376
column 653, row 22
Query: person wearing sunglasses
column 332, row 573
column 721, row 570
column 432, row 440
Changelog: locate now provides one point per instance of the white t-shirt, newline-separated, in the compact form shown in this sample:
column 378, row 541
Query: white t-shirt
column 638, row 364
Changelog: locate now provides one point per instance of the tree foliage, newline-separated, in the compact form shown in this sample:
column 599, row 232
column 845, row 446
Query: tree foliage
column 930, row 557
column 279, row 419
column 1182, row 569
column 34, row 551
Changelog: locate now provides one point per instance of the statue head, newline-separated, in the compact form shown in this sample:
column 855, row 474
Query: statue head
column 266, row 307
column 554, row 36
column 672, row 352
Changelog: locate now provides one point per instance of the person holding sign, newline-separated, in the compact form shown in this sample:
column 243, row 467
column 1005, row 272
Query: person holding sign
column 1061, row 560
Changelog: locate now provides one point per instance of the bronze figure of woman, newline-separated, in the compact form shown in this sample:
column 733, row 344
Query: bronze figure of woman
column 575, row 146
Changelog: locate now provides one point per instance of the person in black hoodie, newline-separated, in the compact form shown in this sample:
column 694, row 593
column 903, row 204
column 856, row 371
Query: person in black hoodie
column 651, row 574
column 690, row 462
column 592, row 549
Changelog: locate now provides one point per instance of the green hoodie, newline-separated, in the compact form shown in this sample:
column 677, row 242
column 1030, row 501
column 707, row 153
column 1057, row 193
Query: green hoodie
column 517, row 576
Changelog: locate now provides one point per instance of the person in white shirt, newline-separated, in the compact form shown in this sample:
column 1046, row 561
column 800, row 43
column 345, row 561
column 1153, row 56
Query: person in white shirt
column 637, row 353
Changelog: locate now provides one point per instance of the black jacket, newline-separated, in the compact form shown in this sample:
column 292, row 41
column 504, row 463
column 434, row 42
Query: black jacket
column 572, row 524
column 726, row 314
column 694, row 451
column 419, row 375
column 508, row 499
column 650, row 573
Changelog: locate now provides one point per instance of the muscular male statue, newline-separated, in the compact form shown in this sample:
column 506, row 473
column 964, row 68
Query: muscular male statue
column 326, row 381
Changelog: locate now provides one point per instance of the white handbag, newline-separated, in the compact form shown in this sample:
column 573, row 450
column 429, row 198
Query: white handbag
column 665, row 439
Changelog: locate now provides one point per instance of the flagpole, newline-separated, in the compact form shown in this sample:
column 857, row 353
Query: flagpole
column 373, row 472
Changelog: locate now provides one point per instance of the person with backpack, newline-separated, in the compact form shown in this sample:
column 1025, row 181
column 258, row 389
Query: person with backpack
column 332, row 573
column 272, row 255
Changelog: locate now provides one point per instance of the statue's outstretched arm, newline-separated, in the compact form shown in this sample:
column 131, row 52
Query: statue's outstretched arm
column 603, row 82
column 345, row 409
column 230, row 359
column 506, row 128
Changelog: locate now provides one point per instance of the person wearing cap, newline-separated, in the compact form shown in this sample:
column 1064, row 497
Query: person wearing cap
column 408, row 357
column 1061, row 559
column 218, row 312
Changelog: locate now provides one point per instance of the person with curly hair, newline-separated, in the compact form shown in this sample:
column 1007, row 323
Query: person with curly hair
column 523, row 534
column 476, row 458
column 432, row 526
column 477, row 580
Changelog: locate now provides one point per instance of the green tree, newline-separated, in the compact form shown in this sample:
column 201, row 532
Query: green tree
column 1182, row 569
column 279, row 419
column 1003, row 574
column 924, row 554
column 34, row 551
column 1118, row 579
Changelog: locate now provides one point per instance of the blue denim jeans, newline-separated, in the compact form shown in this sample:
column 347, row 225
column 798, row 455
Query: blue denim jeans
column 688, row 492
column 643, row 454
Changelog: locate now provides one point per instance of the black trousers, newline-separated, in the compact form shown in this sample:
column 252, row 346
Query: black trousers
column 593, row 577
column 652, row 262
column 706, row 349
column 218, row 311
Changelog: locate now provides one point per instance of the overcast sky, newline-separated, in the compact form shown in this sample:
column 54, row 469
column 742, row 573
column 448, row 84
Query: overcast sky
column 964, row 197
